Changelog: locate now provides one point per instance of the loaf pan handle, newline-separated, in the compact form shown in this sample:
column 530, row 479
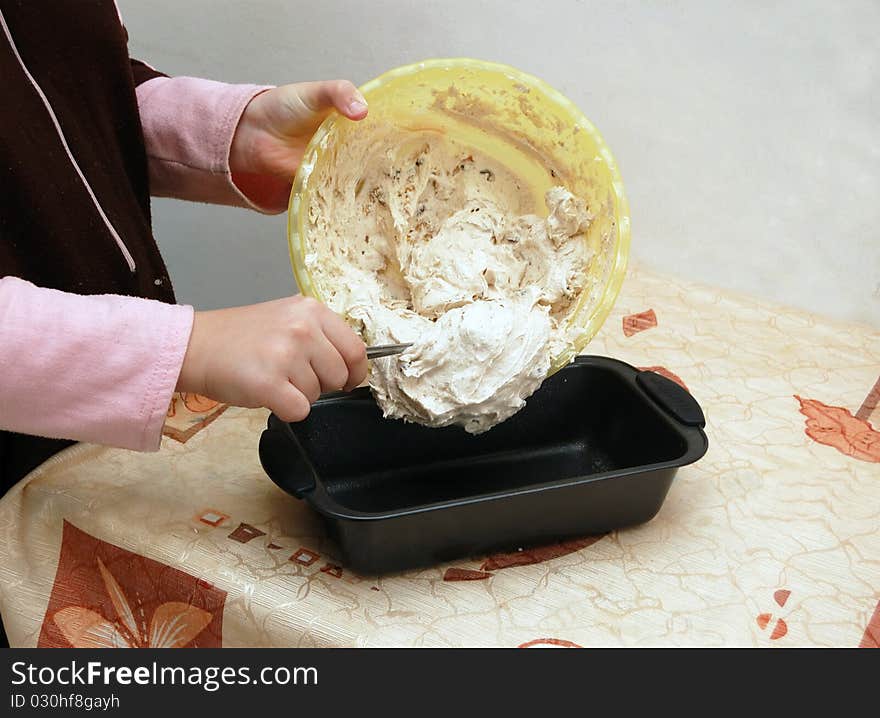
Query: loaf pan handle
column 283, row 461
column 672, row 398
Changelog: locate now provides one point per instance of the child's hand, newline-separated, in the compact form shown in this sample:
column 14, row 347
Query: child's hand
column 280, row 355
column 276, row 126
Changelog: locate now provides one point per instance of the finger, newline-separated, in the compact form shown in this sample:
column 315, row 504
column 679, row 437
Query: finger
column 341, row 94
column 289, row 403
column 329, row 365
column 303, row 377
column 349, row 346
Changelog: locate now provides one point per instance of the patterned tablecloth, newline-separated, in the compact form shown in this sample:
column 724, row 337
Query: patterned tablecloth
column 773, row 539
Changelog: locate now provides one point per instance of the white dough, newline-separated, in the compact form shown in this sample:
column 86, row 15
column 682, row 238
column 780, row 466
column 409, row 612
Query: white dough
column 416, row 239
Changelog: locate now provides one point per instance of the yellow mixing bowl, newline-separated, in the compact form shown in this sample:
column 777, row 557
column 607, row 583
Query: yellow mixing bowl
column 518, row 120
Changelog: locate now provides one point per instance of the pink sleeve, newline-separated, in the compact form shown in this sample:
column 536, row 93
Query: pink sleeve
column 188, row 126
column 91, row 368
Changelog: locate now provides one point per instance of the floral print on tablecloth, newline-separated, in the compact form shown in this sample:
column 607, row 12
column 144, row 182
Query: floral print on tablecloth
column 772, row 539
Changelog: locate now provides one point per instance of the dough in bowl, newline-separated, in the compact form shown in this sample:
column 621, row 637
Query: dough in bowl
column 425, row 240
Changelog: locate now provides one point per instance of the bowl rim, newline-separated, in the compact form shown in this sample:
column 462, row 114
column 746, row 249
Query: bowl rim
column 295, row 216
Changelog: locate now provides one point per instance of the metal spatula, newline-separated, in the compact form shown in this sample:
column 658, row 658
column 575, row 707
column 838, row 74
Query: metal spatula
column 374, row 352
column 386, row 350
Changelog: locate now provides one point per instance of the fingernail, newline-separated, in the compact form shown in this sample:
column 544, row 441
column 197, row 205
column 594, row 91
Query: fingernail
column 357, row 105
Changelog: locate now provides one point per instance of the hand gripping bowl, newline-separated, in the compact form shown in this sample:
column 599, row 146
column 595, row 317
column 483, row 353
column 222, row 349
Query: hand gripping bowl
column 514, row 118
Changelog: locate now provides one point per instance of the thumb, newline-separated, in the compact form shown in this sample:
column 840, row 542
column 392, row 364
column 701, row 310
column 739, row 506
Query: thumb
column 341, row 94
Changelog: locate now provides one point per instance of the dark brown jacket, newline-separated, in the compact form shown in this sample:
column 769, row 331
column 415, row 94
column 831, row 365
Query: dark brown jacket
column 51, row 233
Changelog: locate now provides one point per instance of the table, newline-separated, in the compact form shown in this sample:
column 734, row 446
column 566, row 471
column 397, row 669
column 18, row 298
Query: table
column 773, row 539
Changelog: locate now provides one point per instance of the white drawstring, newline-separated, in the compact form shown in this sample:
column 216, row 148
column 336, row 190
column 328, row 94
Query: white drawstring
column 125, row 253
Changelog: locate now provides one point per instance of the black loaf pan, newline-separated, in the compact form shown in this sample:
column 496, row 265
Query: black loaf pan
column 594, row 449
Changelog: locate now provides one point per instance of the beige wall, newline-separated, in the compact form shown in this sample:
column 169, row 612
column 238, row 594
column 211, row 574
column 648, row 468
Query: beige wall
column 748, row 136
